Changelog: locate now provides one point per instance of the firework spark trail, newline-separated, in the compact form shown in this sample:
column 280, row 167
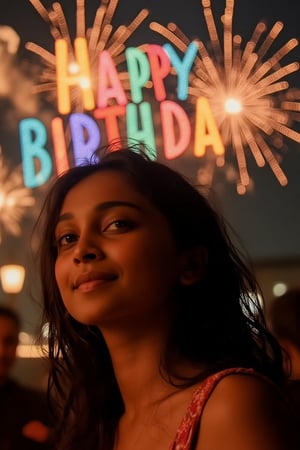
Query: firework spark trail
column 101, row 36
column 225, row 69
column 16, row 82
column 15, row 199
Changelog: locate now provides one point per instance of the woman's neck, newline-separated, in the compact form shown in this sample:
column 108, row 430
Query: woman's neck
column 136, row 359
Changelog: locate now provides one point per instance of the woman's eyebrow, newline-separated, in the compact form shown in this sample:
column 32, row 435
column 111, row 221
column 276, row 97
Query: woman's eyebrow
column 65, row 216
column 114, row 203
column 102, row 207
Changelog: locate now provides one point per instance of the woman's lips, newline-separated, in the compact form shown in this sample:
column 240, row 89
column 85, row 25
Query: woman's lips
column 88, row 281
column 90, row 285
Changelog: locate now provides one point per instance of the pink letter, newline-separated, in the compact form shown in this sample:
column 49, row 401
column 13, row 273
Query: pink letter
column 160, row 66
column 108, row 76
column 169, row 112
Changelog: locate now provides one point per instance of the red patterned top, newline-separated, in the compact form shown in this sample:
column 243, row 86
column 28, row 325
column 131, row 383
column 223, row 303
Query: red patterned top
column 187, row 431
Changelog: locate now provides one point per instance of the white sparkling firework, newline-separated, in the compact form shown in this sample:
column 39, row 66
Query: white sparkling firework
column 101, row 36
column 15, row 199
column 245, row 86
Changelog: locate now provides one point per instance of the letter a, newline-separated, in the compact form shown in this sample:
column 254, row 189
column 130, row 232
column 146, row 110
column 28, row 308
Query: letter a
column 206, row 132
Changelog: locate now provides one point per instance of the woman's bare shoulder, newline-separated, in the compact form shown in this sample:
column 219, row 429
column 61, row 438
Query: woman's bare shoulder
column 246, row 411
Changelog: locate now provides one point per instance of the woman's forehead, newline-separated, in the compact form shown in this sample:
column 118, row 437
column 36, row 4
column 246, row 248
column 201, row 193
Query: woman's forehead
column 105, row 181
column 105, row 187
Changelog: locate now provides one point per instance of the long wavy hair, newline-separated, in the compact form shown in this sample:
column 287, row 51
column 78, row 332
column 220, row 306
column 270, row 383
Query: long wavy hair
column 218, row 321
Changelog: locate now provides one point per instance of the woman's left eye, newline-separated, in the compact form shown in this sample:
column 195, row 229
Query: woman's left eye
column 119, row 225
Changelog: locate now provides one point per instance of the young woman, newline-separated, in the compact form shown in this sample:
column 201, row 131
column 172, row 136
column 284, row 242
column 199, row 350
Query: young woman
column 156, row 337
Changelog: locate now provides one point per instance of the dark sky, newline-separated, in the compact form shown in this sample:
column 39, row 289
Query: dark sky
column 268, row 217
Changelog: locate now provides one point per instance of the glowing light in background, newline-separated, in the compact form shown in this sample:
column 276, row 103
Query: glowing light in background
column 10, row 39
column 101, row 36
column 227, row 70
column 15, row 81
column 12, row 278
column 15, row 199
column 279, row 289
column 233, row 106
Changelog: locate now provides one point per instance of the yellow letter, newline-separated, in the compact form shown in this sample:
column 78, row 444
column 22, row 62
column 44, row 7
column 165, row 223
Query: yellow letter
column 206, row 132
column 81, row 76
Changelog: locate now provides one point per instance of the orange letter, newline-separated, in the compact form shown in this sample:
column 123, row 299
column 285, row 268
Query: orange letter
column 59, row 144
column 65, row 78
column 111, row 124
column 206, row 132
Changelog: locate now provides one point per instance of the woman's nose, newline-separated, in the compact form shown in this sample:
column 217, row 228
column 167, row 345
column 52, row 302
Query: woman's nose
column 86, row 252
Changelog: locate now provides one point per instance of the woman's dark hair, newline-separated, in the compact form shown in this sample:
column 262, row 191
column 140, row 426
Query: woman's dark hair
column 218, row 322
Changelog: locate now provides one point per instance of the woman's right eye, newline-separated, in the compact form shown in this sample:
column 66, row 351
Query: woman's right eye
column 66, row 239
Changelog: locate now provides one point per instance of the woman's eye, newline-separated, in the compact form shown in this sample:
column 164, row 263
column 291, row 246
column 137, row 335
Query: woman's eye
column 119, row 225
column 66, row 239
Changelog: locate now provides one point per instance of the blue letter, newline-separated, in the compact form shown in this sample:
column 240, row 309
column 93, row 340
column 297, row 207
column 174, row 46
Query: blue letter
column 33, row 137
column 182, row 67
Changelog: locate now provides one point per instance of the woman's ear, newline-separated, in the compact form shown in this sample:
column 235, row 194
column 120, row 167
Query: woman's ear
column 194, row 264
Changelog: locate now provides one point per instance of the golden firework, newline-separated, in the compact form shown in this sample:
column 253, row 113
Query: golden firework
column 100, row 36
column 246, row 87
column 15, row 199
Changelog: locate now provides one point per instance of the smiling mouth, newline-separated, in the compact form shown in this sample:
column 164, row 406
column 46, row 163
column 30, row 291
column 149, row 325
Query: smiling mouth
column 89, row 286
column 91, row 281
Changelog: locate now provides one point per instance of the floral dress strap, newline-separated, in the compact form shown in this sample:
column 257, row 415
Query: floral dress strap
column 189, row 426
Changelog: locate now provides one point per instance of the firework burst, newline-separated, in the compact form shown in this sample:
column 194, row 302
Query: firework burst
column 246, row 88
column 15, row 199
column 101, row 36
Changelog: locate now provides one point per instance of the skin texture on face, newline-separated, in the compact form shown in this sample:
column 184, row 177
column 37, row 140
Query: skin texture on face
column 8, row 346
column 117, row 261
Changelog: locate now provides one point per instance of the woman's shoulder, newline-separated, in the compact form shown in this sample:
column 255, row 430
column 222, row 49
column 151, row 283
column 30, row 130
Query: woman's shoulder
column 236, row 390
column 249, row 412
column 242, row 379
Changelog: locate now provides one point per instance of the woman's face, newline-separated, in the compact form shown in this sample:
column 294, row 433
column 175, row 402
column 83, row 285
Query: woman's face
column 117, row 260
